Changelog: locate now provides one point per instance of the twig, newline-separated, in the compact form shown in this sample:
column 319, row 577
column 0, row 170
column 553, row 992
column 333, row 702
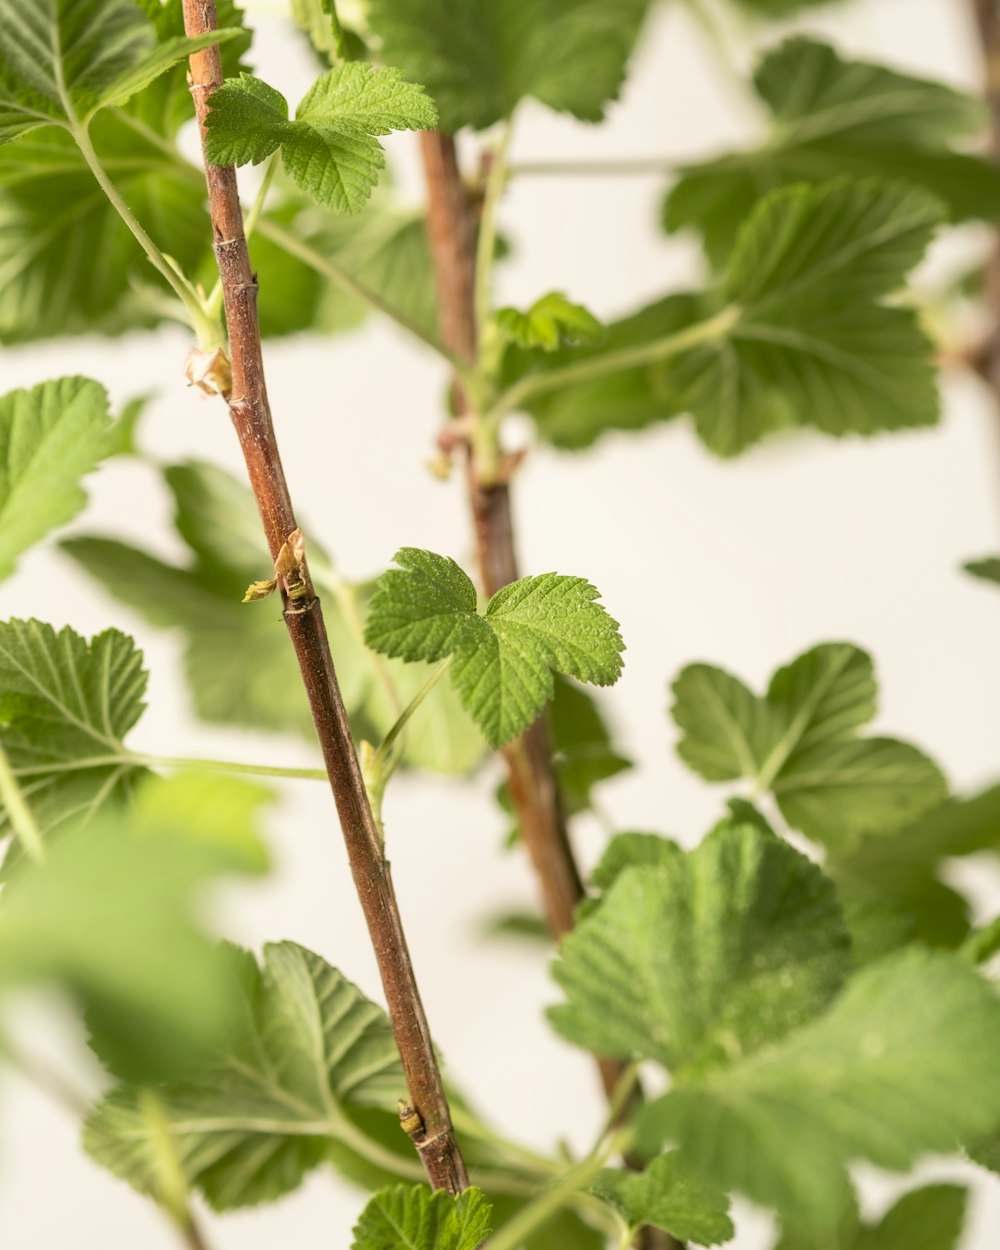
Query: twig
column 987, row 17
column 248, row 406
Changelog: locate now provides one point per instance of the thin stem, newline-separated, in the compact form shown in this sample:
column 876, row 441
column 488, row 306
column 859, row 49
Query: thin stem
column 612, row 167
column 214, row 301
column 535, row 384
column 140, row 760
column 707, row 20
column 18, row 813
column 328, row 268
column 207, row 331
column 384, row 753
column 250, row 411
column 486, row 243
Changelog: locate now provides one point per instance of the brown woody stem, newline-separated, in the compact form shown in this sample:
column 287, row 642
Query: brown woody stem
column 987, row 16
column 248, row 406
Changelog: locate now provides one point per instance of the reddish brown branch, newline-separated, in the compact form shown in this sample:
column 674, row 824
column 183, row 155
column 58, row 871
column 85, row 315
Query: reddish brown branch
column 251, row 417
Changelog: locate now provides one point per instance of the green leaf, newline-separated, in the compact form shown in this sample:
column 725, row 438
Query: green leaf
column 478, row 59
column 254, row 1121
column 779, row 8
column 110, row 915
column 931, row 1218
column 666, row 1195
column 65, row 707
column 988, row 568
column 833, row 118
column 902, row 1064
column 550, row 322
column 699, row 958
column 62, row 60
column 799, row 741
column 411, row 1217
column 50, row 437
column 502, row 661
column 902, row 870
column 329, row 149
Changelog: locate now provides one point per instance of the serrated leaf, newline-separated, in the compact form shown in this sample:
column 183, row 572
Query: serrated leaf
column 257, row 1118
column 110, row 916
column 902, row 870
column 798, row 741
column 411, row 1217
column 478, row 59
column 988, row 568
column 50, row 437
column 703, row 957
column 550, row 322
column 931, row 1218
column 666, row 1195
column 503, row 661
column 902, row 1064
column 257, row 683
column 329, row 150
column 833, row 118
column 65, row 707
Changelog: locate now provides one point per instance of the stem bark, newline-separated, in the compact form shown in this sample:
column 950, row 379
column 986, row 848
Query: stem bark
column 250, row 412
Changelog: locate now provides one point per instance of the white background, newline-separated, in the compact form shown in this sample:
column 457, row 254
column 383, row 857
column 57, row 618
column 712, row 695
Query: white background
column 743, row 563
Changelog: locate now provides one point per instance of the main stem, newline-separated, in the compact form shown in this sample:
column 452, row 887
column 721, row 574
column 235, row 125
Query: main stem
column 248, row 406
column 534, row 790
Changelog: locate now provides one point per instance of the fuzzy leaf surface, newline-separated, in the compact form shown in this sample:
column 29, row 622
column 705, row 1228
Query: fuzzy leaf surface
column 903, row 1063
column 478, row 59
column 412, row 1217
column 799, row 741
column 503, row 661
column 329, row 149
column 703, row 957
column 50, row 437
column 832, row 118
column 257, row 1118
column 666, row 1195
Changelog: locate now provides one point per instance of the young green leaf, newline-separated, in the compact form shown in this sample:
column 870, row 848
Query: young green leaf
column 503, row 661
column 903, row 1063
column 478, row 58
column 65, row 707
column 988, row 568
column 703, row 957
column 550, row 322
column 799, row 741
column 666, row 1195
column 833, row 118
column 63, row 60
column 255, row 1120
column 931, row 1218
column 110, row 916
column 329, row 150
column 50, row 437
column 411, row 1217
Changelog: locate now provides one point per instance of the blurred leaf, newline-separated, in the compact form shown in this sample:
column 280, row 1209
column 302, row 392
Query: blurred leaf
column 988, row 568
column 255, row 1120
column 931, row 1218
column 667, row 1196
column 834, row 118
column 110, row 915
column 50, row 437
column 550, row 321
column 705, row 956
column 799, row 741
column 903, row 1063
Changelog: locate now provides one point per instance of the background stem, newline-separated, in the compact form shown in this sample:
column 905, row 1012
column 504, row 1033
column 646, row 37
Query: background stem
column 251, row 416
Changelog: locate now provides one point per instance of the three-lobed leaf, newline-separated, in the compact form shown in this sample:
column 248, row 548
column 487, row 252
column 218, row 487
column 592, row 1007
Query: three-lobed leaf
column 50, row 437
column 329, row 149
column 699, row 958
column 799, row 741
column 502, row 662
column 412, row 1217
column 903, row 1063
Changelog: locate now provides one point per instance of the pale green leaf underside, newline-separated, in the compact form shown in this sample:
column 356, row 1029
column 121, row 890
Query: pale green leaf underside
column 668, row 1196
column 65, row 707
column 904, row 1063
column 503, row 661
column 412, row 1217
column 799, row 741
column 329, row 149
column 257, row 1119
column 50, row 437
column 700, row 958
